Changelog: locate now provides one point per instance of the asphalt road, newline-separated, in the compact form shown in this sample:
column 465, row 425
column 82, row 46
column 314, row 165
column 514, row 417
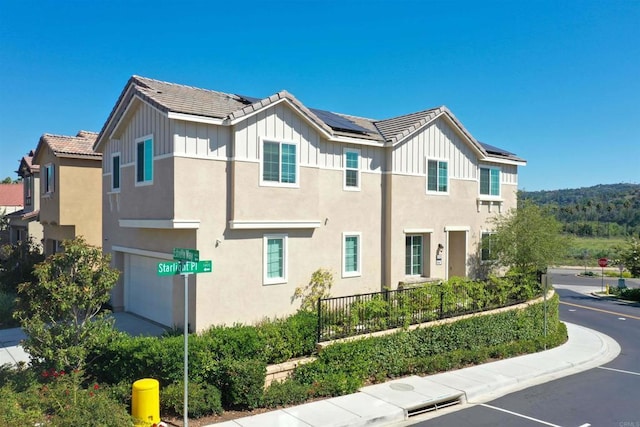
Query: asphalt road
column 605, row 396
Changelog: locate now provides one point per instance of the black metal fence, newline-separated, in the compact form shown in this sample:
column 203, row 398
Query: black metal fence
column 353, row 315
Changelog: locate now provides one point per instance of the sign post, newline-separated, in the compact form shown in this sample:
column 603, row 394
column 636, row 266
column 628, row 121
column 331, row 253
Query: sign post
column 186, row 262
column 602, row 262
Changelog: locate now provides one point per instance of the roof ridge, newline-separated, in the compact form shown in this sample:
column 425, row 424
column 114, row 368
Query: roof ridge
column 142, row 78
column 428, row 110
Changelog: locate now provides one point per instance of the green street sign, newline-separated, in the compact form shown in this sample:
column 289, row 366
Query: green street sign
column 170, row 268
column 181, row 254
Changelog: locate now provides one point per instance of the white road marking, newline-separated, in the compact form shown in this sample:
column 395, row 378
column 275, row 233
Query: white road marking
column 520, row 415
column 621, row 318
column 585, row 425
column 572, row 309
column 620, row 370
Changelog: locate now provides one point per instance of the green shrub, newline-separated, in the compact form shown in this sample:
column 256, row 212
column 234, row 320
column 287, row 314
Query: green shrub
column 242, row 382
column 630, row 294
column 7, row 306
column 204, row 399
column 71, row 404
column 19, row 408
column 287, row 392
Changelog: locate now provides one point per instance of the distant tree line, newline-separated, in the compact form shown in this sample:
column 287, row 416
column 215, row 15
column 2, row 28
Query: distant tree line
column 611, row 210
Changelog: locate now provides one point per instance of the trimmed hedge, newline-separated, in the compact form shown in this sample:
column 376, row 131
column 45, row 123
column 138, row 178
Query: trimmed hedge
column 348, row 366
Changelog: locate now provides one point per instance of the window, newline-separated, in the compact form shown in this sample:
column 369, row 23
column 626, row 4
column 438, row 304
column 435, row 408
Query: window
column 413, row 255
column 115, row 172
column 486, row 245
column 490, row 181
column 49, row 178
column 351, row 255
column 275, row 258
column 279, row 163
column 144, row 160
column 351, row 169
column 437, row 178
column 28, row 182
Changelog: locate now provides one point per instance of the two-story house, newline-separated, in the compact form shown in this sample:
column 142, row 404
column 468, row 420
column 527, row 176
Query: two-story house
column 271, row 190
column 24, row 224
column 70, row 199
column 10, row 202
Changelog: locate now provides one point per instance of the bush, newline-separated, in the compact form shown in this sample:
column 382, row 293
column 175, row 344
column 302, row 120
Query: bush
column 204, row 399
column 19, row 408
column 287, row 392
column 242, row 382
column 73, row 405
column 7, row 306
column 343, row 367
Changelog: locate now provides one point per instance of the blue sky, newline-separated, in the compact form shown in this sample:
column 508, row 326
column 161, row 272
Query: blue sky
column 557, row 82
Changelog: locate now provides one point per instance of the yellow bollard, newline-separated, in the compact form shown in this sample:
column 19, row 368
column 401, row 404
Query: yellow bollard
column 145, row 402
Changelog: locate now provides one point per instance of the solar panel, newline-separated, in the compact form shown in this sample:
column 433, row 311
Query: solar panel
column 334, row 121
column 495, row 150
column 337, row 122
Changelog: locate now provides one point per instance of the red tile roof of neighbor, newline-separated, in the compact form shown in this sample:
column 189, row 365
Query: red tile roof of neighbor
column 11, row 194
column 79, row 146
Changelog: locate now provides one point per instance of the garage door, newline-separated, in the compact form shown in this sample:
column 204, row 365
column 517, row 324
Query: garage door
column 147, row 294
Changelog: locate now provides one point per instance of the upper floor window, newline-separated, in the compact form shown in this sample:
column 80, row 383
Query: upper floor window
column 351, row 169
column 437, row 176
column 351, row 255
column 413, row 255
column 115, row 172
column 490, row 181
column 486, row 246
column 28, row 183
column 275, row 258
column 49, row 178
column 144, row 160
column 279, row 163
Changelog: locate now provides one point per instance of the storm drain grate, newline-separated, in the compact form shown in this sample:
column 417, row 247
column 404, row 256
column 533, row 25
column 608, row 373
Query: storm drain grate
column 434, row 406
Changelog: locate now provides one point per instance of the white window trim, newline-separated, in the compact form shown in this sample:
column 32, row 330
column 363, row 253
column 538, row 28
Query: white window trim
column 285, row 268
column 345, row 169
column 153, row 172
column 422, row 260
column 116, row 190
column 264, row 183
column 357, row 273
column 46, row 185
column 426, row 176
column 490, row 196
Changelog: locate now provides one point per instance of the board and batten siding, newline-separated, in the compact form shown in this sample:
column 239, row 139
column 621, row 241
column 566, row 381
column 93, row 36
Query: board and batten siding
column 146, row 120
column 201, row 140
column 436, row 141
column 282, row 123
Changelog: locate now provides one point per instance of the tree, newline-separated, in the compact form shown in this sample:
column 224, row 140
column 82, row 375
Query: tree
column 7, row 180
column 61, row 311
column 528, row 239
column 629, row 256
column 17, row 263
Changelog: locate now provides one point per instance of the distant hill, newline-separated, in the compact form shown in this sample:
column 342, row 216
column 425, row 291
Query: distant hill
column 600, row 211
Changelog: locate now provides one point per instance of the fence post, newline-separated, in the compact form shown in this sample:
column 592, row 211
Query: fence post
column 319, row 322
column 441, row 303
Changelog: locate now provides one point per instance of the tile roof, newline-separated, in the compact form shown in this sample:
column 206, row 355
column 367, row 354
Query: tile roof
column 11, row 194
column 26, row 165
column 176, row 98
column 79, row 146
column 24, row 215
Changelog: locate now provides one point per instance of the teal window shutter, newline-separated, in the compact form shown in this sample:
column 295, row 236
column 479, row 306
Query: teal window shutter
column 275, row 260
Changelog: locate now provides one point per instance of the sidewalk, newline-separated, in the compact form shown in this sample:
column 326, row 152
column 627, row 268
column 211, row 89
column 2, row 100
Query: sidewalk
column 395, row 401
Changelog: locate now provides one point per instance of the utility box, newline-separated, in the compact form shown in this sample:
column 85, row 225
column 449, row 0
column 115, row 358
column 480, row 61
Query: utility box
column 621, row 283
column 145, row 402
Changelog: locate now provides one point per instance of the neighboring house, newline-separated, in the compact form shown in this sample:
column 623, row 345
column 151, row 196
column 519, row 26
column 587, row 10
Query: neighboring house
column 271, row 190
column 24, row 224
column 10, row 202
column 70, row 199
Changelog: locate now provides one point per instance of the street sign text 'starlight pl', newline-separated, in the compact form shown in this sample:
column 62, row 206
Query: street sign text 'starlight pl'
column 170, row 268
